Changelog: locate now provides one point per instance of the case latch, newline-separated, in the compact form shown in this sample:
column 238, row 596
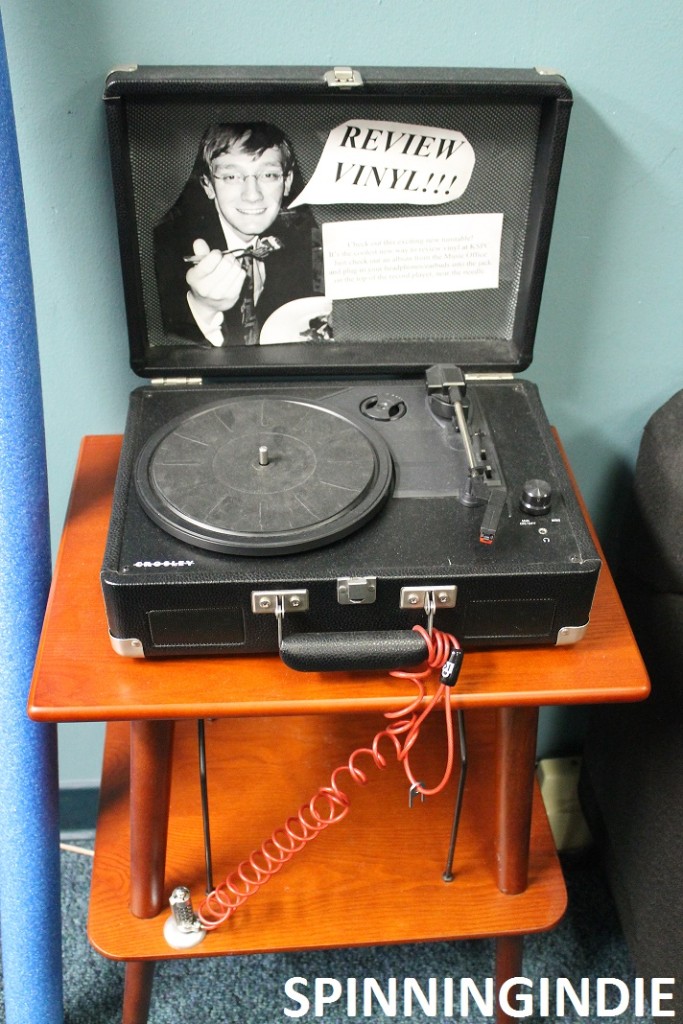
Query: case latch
column 357, row 589
column 343, row 78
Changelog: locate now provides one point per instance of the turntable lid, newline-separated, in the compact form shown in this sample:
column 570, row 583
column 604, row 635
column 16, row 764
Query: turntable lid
column 410, row 226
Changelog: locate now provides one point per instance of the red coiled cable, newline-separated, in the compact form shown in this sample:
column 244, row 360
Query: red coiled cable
column 330, row 804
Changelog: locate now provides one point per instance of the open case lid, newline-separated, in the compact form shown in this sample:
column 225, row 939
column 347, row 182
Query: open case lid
column 410, row 227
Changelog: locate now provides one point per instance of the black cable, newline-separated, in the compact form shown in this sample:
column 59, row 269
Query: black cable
column 201, row 737
column 448, row 873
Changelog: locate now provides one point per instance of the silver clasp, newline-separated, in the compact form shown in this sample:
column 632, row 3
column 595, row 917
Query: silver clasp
column 343, row 78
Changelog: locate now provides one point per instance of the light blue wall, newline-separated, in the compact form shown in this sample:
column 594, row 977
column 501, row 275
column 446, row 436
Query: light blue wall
column 609, row 346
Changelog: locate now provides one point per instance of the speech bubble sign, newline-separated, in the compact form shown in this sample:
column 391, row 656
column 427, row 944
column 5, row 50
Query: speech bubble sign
column 390, row 162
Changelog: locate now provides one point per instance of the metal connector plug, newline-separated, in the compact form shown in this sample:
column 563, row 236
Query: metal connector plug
column 182, row 929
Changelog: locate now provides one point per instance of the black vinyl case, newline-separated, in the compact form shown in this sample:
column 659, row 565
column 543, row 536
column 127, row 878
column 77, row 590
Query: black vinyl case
column 406, row 225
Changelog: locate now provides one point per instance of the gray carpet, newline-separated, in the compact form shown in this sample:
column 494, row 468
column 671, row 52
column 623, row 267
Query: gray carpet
column 250, row 990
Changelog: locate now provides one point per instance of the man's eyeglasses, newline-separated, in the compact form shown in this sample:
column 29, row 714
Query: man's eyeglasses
column 236, row 178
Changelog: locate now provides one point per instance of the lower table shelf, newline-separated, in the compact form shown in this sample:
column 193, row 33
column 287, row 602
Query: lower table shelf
column 374, row 878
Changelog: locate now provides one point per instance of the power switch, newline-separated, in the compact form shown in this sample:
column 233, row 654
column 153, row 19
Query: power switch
column 536, row 498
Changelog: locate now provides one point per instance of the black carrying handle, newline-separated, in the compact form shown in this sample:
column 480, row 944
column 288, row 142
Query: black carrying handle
column 344, row 652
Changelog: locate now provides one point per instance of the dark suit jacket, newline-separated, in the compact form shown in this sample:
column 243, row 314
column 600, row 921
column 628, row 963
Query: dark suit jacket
column 289, row 271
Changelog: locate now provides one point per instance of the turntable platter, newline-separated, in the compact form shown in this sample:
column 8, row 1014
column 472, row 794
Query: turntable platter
column 255, row 476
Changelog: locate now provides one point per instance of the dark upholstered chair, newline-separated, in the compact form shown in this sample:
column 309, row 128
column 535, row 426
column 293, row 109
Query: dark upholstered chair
column 632, row 779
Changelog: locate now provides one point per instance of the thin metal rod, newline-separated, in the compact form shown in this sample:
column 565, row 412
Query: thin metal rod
column 201, row 737
column 448, row 873
column 462, row 427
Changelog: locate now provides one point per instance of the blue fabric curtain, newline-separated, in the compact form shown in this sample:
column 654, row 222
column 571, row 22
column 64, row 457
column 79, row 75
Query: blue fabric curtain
column 29, row 833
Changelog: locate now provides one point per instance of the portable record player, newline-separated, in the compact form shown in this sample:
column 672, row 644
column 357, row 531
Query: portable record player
column 331, row 276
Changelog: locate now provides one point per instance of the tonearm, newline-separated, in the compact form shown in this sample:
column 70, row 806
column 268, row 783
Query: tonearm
column 449, row 399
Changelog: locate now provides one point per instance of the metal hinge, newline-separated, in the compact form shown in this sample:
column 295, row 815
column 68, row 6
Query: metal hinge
column 169, row 381
column 489, row 376
column 343, row 78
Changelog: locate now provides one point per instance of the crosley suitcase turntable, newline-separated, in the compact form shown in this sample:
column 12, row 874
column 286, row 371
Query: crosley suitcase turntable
column 330, row 277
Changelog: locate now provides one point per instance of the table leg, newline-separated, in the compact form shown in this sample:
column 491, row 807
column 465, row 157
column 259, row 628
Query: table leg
column 137, row 991
column 509, row 952
column 516, row 734
column 515, row 765
column 151, row 749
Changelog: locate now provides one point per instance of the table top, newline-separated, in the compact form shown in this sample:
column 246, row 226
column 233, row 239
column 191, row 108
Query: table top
column 78, row 677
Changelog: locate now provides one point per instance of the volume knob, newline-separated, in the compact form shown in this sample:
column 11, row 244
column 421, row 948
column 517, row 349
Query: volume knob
column 536, row 497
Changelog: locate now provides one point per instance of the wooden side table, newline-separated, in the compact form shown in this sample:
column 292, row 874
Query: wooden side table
column 273, row 737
